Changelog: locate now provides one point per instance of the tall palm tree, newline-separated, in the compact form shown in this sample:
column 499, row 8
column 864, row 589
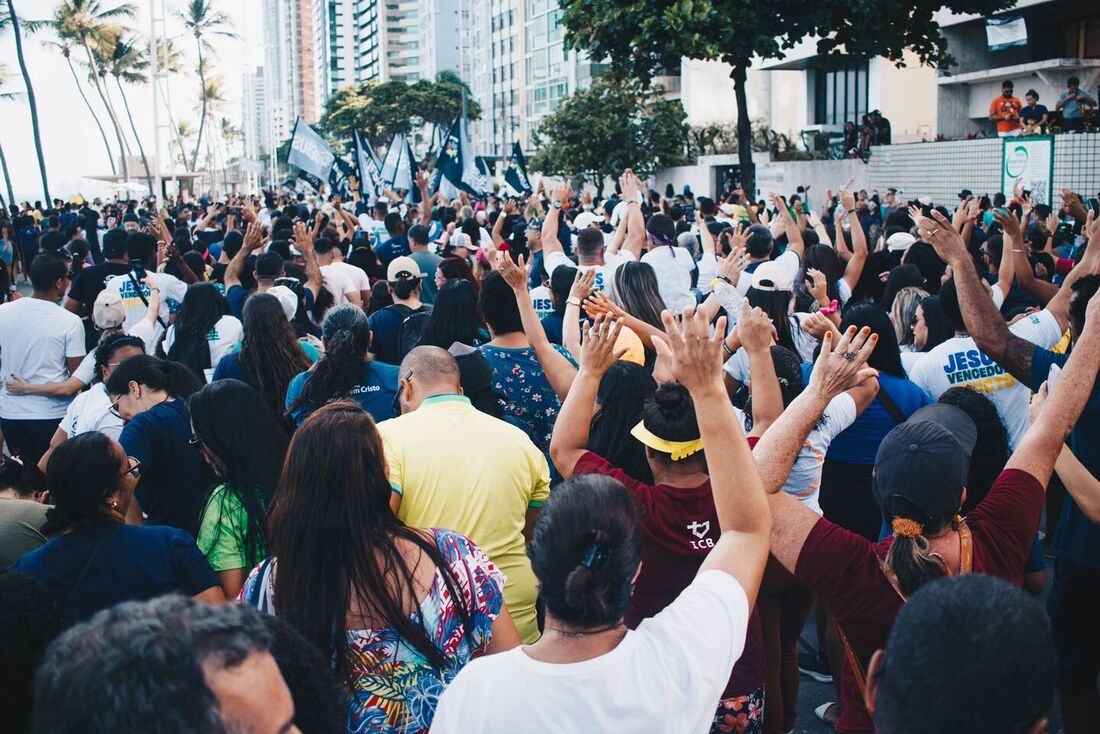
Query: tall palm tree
column 129, row 60
column 4, row 96
column 65, row 48
column 202, row 21
column 10, row 18
column 88, row 24
column 184, row 132
column 169, row 60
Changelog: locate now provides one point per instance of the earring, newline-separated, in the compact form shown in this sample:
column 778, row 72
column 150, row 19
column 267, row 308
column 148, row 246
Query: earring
column 114, row 505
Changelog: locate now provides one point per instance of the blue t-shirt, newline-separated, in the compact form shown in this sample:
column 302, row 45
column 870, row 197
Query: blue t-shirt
column 392, row 248
column 172, row 488
column 230, row 367
column 553, row 325
column 1077, row 538
column 236, row 295
column 858, row 443
column 376, row 392
column 131, row 563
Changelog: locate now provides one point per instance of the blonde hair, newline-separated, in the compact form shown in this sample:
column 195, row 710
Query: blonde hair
column 903, row 312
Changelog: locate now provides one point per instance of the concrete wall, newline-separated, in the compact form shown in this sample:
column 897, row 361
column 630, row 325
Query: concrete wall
column 781, row 177
column 941, row 170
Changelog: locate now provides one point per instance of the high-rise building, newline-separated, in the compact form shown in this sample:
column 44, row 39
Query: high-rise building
column 401, row 41
column 367, row 25
column 254, row 125
column 442, row 37
column 289, row 71
column 334, row 47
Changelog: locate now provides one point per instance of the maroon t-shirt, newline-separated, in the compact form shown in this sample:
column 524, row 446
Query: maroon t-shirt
column 844, row 570
column 679, row 527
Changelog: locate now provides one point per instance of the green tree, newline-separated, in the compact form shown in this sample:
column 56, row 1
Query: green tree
column 203, row 22
column 9, row 18
column 6, row 97
column 643, row 37
column 612, row 125
column 128, row 63
column 88, row 24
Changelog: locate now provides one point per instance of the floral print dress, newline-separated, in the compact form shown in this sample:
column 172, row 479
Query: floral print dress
column 528, row 396
column 394, row 689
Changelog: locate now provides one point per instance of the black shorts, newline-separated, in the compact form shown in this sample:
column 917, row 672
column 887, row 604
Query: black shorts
column 1073, row 606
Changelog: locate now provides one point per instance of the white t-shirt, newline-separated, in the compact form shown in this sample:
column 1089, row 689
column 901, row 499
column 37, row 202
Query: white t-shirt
column 738, row 365
column 673, row 266
column 338, row 283
column 356, row 275
column 804, row 481
column 959, row 362
column 91, row 411
column 36, row 338
column 226, row 334
column 666, row 676
column 605, row 274
column 172, row 291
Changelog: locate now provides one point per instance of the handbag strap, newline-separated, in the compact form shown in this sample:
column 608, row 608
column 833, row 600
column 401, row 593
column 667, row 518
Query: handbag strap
column 141, row 295
column 83, row 572
column 890, row 406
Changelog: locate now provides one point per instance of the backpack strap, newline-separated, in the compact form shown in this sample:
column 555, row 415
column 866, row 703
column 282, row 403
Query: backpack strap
column 890, row 406
column 853, row 661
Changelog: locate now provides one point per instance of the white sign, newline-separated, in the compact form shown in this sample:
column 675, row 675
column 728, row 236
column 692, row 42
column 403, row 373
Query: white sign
column 1029, row 161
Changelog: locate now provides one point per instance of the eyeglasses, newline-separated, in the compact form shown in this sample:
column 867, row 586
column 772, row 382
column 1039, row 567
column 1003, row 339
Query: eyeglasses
column 134, row 469
column 113, row 410
column 195, row 441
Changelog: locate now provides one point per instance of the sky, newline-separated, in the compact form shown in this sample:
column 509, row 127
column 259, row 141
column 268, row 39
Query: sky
column 72, row 145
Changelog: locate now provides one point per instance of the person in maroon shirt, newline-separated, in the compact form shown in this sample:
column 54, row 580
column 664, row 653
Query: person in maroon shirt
column 920, row 473
column 679, row 520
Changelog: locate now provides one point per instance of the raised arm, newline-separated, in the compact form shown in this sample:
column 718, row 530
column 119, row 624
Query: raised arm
column 303, row 242
column 1011, row 249
column 571, row 321
column 695, row 361
column 790, row 227
column 425, row 200
column 598, row 303
column 498, row 225
column 552, row 222
column 1090, row 263
column 559, row 371
column 1082, row 486
column 635, row 223
column 755, row 333
column 598, row 354
column 1058, row 411
column 983, row 320
column 253, row 239
column 854, row 269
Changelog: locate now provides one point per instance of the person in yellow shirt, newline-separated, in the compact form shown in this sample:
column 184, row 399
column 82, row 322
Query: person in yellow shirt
column 452, row 466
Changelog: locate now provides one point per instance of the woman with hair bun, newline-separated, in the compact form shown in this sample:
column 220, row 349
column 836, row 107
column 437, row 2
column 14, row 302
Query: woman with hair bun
column 150, row 396
column 99, row 560
column 589, row 670
column 346, row 371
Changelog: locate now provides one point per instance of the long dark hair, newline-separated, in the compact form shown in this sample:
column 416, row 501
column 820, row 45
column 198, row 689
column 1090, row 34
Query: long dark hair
column 586, row 548
column 936, row 321
column 346, row 333
column 788, row 371
column 886, row 356
column 157, row 374
column 80, row 474
column 270, row 355
column 624, row 390
column 454, row 316
column 777, row 306
column 991, row 450
column 202, row 307
column 221, row 414
column 336, row 538
column 457, row 268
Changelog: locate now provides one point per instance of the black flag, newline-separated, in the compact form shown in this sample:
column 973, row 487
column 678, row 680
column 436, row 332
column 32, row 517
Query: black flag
column 516, row 175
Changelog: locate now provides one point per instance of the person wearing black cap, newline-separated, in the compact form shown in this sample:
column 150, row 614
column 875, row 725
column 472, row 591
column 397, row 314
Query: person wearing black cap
column 920, row 477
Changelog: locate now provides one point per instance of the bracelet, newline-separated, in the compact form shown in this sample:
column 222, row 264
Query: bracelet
column 726, row 349
column 573, row 301
column 830, row 309
column 722, row 278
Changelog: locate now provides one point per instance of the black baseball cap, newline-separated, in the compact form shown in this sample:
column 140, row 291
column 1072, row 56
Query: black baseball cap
column 922, row 464
column 965, row 193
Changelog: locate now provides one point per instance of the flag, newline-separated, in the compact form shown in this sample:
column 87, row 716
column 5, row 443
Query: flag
column 338, row 178
column 484, row 176
column 456, row 164
column 413, row 197
column 516, row 175
column 310, row 153
column 310, row 179
column 391, row 161
column 370, row 174
column 1005, row 32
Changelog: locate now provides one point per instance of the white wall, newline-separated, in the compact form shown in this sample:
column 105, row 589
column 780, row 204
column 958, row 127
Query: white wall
column 782, row 177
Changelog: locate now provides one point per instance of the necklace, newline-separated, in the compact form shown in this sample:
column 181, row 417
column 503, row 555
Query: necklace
column 585, row 633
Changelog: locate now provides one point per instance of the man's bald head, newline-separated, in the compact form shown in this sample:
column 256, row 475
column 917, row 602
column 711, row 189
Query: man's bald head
column 427, row 371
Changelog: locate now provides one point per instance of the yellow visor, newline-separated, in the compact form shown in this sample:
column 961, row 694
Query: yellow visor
column 678, row 449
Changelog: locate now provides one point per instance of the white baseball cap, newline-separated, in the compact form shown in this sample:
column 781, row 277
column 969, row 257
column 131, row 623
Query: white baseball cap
column 586, row 219
column 107, row 311
column 771, row 276
column 287, row 299
column 403, row 268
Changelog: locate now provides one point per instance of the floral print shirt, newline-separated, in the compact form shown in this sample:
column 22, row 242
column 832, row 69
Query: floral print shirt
column 528, row 396
column 394, row 689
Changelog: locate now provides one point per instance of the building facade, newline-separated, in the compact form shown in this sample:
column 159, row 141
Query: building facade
column 334, row 44
column 254, row 124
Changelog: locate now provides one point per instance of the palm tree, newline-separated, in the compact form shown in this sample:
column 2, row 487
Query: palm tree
column 5, row 96
column 88, row 24
column 202, row 21
column 169, row 60
column 184, row 132
column 65, row 48
column 129, row 60
column 10, row 18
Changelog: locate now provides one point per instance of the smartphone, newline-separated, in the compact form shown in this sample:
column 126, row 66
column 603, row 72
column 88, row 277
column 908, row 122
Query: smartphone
column 137, row 267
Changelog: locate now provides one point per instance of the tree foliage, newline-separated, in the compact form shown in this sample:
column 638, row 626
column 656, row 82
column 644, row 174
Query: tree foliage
column 380, row 111
column 640, row 38
column 611, row 126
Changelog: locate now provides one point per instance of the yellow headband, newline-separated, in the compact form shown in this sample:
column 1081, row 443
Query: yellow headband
column 678, row 449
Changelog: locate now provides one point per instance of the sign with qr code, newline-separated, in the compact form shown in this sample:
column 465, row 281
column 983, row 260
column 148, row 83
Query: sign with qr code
column 1030, row 163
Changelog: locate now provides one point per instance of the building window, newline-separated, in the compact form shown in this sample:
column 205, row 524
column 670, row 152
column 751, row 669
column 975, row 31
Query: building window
column 840, row 94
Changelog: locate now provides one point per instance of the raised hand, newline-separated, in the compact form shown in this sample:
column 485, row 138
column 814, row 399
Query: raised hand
column 1071, row 204
column 847, row 200
column 598, row 351
column 583, row 284
column 732, row 265
column 514, row 274
column 597, row 303
column 942, row 236
column 693, row 356
column 754, row 329
column 303, row 240
column 842, row 366
column 1010, row 224
column 254, row 236
column 820, row 288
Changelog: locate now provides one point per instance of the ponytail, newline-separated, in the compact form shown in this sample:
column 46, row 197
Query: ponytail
column 346, row 333
column 157, row 374
column 910, row 558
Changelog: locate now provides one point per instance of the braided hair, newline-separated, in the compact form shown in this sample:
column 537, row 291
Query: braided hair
column 346, row 333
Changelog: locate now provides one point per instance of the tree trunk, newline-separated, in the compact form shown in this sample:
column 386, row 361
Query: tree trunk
column 7, row 177
column 30, row 100
column 107, row 104
column 744, row 133
column 95, row 117
column 202, row 113
column 137, row 138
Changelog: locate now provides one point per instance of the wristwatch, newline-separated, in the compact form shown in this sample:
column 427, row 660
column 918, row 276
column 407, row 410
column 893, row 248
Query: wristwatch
column 573, row 301
column 556, row 204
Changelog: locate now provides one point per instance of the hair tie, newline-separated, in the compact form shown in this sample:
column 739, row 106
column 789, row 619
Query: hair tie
column 596, row 556
column 906, row 528
column 830, row 309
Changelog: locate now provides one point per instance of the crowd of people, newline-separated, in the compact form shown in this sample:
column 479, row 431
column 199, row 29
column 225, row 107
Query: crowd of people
column 1073, row 111
column 547, row 462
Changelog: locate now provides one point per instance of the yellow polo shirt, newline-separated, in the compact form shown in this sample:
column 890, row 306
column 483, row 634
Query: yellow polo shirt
column 460, row 469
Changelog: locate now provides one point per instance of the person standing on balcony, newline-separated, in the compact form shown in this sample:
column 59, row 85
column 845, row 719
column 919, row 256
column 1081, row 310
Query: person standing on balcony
column 1005, row 111
column 1072, row 105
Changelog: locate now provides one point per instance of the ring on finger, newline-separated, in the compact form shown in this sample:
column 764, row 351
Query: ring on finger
column 850, row 356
